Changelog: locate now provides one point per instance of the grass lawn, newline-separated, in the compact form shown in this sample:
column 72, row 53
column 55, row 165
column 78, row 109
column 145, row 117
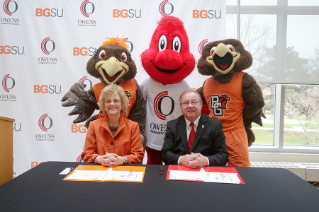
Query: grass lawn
column 265, row 137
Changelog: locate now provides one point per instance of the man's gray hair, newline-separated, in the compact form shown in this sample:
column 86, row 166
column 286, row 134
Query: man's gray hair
column 189, row 91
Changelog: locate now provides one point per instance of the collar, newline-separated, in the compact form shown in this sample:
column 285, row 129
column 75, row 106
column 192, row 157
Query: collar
column 195, row 122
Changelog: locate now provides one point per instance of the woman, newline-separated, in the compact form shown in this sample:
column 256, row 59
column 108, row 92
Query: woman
column 113, row 140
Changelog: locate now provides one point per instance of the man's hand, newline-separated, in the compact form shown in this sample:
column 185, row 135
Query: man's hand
column 194, row 160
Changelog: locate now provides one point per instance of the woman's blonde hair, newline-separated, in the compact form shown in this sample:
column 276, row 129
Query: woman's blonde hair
column 110, row 89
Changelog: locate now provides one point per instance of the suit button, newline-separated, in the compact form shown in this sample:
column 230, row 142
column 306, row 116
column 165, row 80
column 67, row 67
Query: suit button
column 111, row 143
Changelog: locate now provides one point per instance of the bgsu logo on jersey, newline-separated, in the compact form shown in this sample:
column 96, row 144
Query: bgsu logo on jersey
column 219, row 104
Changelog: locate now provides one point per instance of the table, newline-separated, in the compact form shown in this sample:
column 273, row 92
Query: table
column 265, row 189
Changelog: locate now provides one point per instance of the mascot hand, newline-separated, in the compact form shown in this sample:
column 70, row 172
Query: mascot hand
column 84, row 102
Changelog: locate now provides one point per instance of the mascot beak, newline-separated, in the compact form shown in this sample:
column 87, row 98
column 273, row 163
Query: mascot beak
column 111, row 69
column 223, row 58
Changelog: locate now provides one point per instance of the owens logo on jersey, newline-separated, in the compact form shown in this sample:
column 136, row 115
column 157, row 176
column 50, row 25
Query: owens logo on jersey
column 163, row 105
column 219, row 104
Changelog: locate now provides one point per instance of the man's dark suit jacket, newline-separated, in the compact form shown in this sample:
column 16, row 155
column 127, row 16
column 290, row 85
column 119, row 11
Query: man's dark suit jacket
column 209, row 140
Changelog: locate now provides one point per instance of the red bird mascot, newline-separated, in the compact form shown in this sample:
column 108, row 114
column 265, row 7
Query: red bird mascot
column 167, row 61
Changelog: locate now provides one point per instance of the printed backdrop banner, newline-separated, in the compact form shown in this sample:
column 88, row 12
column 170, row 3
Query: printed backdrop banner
column 44, row 48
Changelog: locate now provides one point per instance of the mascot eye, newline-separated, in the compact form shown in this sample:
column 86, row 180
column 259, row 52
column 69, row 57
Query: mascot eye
column 231, row 48
column 177, row 44
column 123, row 57
column 162, row 43
column 102, row 55
column 212, row 50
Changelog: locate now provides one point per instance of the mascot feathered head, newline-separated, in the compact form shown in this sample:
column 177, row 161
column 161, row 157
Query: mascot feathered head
column 168, row 59
column 223, row 57
column 112, row 62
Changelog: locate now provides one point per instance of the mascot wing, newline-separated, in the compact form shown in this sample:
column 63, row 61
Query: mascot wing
column 253, row 110
column 84, row 102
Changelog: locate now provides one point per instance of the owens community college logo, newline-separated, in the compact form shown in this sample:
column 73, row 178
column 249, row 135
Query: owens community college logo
column 79, row 159
column 43, row 124
column 44, row 46
column 47, row 46
column 158, row 108
column 85, row 10
column 219, row 104
column 6, row 85
column 10, row 7
column 85, row 79
column 129, row 43
column 166, row 8
column 201, row 46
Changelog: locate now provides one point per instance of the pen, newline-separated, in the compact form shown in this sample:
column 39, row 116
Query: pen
column 161, row 170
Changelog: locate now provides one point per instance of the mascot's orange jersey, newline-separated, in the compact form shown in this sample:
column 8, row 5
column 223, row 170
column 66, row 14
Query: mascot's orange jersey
column 225, row 101
column 129, row 88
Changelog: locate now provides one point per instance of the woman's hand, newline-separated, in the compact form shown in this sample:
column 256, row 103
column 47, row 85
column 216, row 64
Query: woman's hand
column 109, row 160
column 115, row 161
column 102, row 159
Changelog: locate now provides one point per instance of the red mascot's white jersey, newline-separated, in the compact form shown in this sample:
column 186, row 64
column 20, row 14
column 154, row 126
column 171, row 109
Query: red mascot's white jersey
column 162, row 105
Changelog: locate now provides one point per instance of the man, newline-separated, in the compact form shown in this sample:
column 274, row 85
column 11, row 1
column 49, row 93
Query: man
column 197, row 146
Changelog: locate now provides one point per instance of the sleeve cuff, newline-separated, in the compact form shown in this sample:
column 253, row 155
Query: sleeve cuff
column 207, row 161
column 178, row 160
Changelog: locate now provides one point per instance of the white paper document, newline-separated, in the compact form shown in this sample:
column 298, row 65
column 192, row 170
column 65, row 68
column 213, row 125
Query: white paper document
column 88, row 175
column 202, row 175
column 106, row 175
column 124, row 176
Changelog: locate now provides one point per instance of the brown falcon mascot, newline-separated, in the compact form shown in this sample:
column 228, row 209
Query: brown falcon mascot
column 231, row 95
column 111, row 64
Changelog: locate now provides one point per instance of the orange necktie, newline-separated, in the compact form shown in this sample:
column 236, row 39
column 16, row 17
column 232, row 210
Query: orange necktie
column 191, row 137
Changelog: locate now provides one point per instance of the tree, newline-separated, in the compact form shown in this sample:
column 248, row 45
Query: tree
column 302, row 104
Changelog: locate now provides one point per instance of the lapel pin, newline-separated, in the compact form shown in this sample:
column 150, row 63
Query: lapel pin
column 202, row 126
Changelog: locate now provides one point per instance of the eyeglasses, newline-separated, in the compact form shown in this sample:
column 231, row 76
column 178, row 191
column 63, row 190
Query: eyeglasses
column 185, row 104
column 115, row 101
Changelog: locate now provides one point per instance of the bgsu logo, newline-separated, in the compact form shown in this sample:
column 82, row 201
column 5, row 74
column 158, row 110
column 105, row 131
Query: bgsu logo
column 51, row 89
column 131, row 13
column 47, row 12
column 47, row 45
column 219, row 104
column 159, row 103
column 166, row 8
column 206, row 14
column 10, row 7
column 78, row 128
column 87, row 10
column 12, row 50
column 45, row 122
column 8, row 83
column 84, row 51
